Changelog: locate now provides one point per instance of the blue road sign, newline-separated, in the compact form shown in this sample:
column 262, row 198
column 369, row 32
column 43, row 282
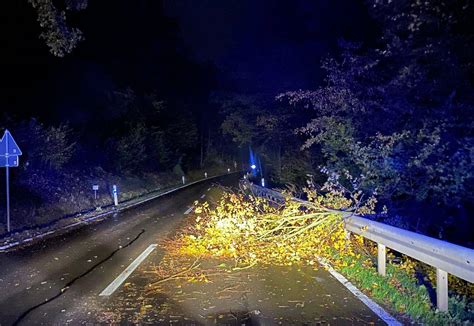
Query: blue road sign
column 10, row 161
column 9, row 152
column 8, row 145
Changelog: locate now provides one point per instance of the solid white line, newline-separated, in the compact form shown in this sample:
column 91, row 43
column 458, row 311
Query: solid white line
column 379, row 311
column 126, row 273
column 203, row 196
column 189, row 210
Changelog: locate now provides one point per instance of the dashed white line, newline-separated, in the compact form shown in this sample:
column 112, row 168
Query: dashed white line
column 203, row 196
column 189, row 210
column 112, row 287
column 208, row 189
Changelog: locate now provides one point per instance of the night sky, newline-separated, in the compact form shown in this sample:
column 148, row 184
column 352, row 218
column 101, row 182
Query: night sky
column 268, row 46
column 178, row 48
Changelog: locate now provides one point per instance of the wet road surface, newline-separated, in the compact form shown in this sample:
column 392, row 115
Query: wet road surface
column 58, row 281
column 50, row 281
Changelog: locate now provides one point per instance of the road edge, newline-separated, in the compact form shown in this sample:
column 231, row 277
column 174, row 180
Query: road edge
column 125, row 205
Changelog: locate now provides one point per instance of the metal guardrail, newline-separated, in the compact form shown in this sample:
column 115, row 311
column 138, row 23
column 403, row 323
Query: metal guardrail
column 446, row 257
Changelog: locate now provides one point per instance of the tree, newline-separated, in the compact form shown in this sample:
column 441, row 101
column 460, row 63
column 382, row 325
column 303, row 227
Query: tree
column 268, row 128
column 397, row 116
column 58, row 36
column 128, row 152
column 47, row 147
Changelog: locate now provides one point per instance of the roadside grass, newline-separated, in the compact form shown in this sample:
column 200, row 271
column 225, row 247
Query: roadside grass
column 401, row 292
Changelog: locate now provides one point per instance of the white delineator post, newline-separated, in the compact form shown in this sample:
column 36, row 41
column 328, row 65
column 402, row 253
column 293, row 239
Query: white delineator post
column 184, row 179
column 114, row 191
column 205, row 175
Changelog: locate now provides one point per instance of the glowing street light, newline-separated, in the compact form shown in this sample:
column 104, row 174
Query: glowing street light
column 253, row 166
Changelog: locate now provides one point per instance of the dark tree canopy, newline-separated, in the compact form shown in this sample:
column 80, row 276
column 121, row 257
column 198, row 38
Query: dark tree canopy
column 60, row 38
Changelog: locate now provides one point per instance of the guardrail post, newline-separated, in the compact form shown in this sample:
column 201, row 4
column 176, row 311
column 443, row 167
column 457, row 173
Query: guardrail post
column 347, row 235
column 441, row 289
column 381, row 259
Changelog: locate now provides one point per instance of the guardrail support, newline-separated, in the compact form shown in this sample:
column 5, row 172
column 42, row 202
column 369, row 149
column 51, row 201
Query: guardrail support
column 381, row 259
column 442, row 290
column 347, row 235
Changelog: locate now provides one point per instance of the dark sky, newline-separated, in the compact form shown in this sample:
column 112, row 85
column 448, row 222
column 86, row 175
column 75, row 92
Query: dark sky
column 181, row 49
column 269, row 46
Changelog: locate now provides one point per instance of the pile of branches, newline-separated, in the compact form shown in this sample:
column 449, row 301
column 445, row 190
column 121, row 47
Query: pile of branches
column 253, row 230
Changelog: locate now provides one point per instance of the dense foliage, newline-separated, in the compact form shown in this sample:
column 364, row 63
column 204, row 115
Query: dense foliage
column 254, row 121
column 398, row 117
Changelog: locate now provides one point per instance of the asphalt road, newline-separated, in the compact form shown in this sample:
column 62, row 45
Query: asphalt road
column 58, row 281
column 51, row 280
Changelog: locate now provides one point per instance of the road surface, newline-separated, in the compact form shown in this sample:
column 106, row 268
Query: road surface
column 58, row 280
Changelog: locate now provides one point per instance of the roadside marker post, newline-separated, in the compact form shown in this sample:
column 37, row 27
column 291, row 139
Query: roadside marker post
column 115, row 193
column 95, row 188
column 205, row 175
column 184, row 179
column 9, row 157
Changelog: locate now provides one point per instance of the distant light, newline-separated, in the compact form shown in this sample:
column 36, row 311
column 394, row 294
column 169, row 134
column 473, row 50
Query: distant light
column 253, row 166
column 263, row 182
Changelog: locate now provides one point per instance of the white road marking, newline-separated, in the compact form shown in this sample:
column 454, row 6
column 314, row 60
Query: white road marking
column 208, row 189
column 189, row 210
column 203, row 196
column 126, row 273
column 379, row 311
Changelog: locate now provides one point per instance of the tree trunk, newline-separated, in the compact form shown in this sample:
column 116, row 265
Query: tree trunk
column 202, row 150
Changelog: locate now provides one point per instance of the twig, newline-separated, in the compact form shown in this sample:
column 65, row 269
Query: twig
column 194, row 265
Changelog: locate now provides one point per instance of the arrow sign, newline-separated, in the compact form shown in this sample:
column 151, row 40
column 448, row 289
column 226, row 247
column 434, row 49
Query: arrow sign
column 8, row 145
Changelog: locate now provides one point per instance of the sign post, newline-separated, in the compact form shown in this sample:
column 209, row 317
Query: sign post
column 8, row 198
column 9, row 152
